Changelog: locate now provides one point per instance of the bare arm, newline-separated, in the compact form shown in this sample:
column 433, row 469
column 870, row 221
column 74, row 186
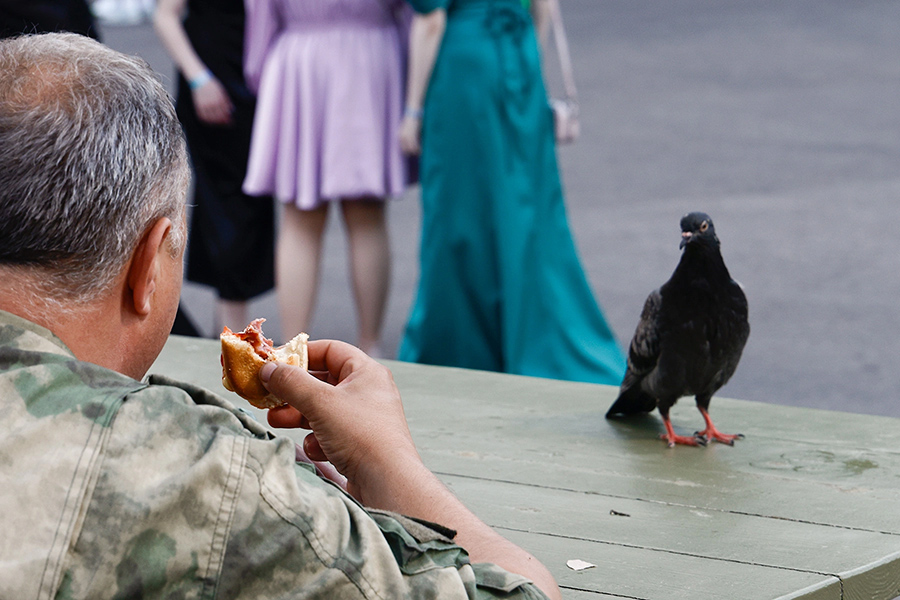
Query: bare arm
column 425, row 36
column 356, row 416
column 540, row 14
column 210, row 99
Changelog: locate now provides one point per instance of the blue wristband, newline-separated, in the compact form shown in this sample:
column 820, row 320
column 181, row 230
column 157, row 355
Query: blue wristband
column 415, row 113
column 200, row 80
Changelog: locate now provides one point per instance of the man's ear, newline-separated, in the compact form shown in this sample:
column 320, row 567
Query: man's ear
column 144, row 268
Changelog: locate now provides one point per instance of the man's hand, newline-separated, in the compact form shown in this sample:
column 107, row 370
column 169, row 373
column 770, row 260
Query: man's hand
column 353, row 407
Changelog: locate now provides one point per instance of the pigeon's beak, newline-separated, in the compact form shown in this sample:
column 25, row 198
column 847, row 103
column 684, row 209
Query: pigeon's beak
column 686, row 237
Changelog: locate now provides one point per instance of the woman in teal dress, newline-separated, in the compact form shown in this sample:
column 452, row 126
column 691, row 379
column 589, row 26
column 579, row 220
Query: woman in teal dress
column 501, row 287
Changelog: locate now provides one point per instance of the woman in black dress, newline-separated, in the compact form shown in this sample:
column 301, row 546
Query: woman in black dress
column 231, row 241
column 42, row 16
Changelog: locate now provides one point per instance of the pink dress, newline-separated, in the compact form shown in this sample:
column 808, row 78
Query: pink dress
column 328, row 76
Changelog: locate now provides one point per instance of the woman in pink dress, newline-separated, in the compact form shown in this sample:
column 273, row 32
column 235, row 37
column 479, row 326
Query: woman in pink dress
column 328, row 76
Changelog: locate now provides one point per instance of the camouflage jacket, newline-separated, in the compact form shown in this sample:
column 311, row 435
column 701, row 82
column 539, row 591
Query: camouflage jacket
column 117, row 488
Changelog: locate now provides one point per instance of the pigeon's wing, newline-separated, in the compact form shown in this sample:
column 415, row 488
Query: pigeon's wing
column 735, row 329
column 643, row 355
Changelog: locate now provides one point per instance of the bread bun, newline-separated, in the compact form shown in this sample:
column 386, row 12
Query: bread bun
column 243, row 355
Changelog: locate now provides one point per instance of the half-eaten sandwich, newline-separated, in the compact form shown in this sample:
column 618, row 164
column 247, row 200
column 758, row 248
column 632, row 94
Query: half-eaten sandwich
column 243, row 355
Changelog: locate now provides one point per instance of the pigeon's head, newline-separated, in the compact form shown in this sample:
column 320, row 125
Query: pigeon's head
column 697, row 228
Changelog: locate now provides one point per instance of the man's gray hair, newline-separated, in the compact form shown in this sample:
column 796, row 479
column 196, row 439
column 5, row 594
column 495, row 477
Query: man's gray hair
column 91, row 155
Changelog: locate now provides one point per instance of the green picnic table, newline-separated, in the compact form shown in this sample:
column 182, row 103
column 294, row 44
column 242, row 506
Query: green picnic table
column 806, row 506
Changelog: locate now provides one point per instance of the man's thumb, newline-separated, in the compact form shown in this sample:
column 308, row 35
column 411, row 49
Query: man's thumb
column 287, row 382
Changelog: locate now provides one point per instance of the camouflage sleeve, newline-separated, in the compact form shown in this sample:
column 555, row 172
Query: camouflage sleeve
column 194, row 499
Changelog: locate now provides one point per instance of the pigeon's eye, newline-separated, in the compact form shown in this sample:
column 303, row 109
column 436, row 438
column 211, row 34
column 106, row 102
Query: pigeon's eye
column 704, row 226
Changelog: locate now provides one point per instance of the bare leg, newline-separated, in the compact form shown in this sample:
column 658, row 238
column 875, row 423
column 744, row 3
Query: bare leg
column 232, row 313
column 297, row 266
column 370, row 267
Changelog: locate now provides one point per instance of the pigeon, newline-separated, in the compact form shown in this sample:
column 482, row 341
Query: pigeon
column 690, row 337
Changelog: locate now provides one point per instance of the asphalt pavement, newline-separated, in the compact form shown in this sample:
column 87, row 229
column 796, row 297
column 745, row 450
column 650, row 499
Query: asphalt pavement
column 779, row 118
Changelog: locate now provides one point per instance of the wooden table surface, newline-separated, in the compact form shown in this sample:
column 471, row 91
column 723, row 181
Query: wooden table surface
column 806, row 506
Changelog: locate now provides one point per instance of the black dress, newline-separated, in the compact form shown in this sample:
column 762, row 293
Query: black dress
column 231, row 241
column 41, row 16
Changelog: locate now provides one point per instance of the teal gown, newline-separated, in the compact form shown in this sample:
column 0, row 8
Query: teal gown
column 501, row 287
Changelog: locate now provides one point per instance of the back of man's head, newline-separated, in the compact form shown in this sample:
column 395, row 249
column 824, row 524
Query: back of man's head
column 91, row 154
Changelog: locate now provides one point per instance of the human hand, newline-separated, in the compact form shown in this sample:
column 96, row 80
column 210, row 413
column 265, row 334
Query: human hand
column 353, row 407
column 212, row 104
column 354, row 410
column 410, row 134
column 324, row 469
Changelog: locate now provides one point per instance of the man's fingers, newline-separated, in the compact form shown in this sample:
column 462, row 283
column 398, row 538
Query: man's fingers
column 331, row 356
column 312, row 448
column 291, row 384
column 299, row 388
column 286, row 417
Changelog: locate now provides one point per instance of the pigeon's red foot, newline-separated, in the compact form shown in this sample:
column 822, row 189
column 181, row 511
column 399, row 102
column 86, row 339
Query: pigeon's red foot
column 712, row 434
column 671, row 438
column 685, row 440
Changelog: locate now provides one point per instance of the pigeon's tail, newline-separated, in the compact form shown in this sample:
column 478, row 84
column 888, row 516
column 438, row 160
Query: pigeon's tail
column 631, row 400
